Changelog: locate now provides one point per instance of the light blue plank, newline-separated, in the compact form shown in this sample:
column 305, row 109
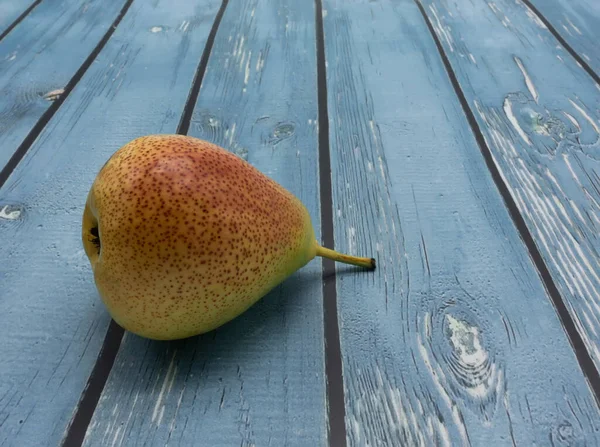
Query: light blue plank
column 259, row 380
column 52, row 320
column 11, row 10
column 452, row 340
column 578, row 23
column 539, row 113
column 39, row 57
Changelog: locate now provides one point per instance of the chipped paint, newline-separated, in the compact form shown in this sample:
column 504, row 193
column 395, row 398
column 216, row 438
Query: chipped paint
column 513, row 120
column 381, row 168
column 440, row 28
column 586, row 116
column 166, row 385
column 438, row 376
column 528, row 81
column 373, row 132
column 577, row 30
column 466, row 341
column 260, row 63
column 247, row 70
column 535, row 19
column 8, row 214
column 377, row 397
column 573, row 120
column 54, row 94
column 231, row 134
column 352, row 239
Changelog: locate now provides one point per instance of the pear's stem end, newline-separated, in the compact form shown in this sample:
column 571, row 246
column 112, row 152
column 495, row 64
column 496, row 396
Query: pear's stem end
column 368, row 263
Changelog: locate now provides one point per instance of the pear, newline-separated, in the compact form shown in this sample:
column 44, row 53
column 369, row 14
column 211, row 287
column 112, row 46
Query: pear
column 184, row 236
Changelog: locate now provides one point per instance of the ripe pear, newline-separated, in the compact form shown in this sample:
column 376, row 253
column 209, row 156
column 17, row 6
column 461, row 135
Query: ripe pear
column 184, row 236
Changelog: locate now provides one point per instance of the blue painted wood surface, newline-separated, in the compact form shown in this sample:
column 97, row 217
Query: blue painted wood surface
column 53, row 322
column 10, row 11
column 39, row 57
column 259, row 380
column 578, row 23
column 539, row 114
column 453, row 339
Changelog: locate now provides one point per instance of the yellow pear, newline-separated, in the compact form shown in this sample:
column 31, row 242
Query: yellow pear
column 183, row 236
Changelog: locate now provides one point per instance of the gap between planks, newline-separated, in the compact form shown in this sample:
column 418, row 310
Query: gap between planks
column 335, row 388
column 49, row 113
column 583, row 356
column 333, row 351
column 19, row 19
column 89, row 399
column 563, row 42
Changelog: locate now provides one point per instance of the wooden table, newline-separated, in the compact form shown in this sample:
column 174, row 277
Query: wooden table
column 457, row 141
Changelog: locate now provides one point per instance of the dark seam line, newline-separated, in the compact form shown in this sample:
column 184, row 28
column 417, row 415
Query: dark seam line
column 49, row 113
column 19, row 19
column 188, row 110
column 563, row 42
column 112, row 342
column 94, row 387
column 89, row 399
column 577, row 343
column 333, row 353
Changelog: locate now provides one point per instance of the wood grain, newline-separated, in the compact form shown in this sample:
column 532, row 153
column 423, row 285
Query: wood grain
column 258, row 380
column 11, row 11
column 578, row 23
column 453, row 339
column 52, row 320
column 39, row 58
column 539, row 116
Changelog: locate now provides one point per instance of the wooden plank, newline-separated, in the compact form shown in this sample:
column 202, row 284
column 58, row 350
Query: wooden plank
column 453, row 339
column 11, row 11
column 52, row 320
column 39, row 57
column 539, row 116
column 577, row 22
column 259, row 380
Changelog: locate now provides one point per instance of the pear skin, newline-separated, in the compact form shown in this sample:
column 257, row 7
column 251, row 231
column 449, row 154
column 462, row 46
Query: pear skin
column 184, row 236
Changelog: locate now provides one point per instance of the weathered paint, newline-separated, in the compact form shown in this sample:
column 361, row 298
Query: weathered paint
column 546, row 146
column 259, row 380
column 578, row 23
column 453, row 339
column 41, row 55
column 53, row 323
column 10, row 11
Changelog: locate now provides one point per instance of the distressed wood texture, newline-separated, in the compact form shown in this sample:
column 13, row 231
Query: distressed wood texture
column 452, row 340
column 39, row 57
column 538, row 111
column 53, row 323
column 11, row 10
column 578, row 23
column 259, row 380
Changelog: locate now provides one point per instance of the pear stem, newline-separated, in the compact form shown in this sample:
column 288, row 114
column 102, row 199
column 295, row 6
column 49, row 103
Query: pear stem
column 346, row 259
